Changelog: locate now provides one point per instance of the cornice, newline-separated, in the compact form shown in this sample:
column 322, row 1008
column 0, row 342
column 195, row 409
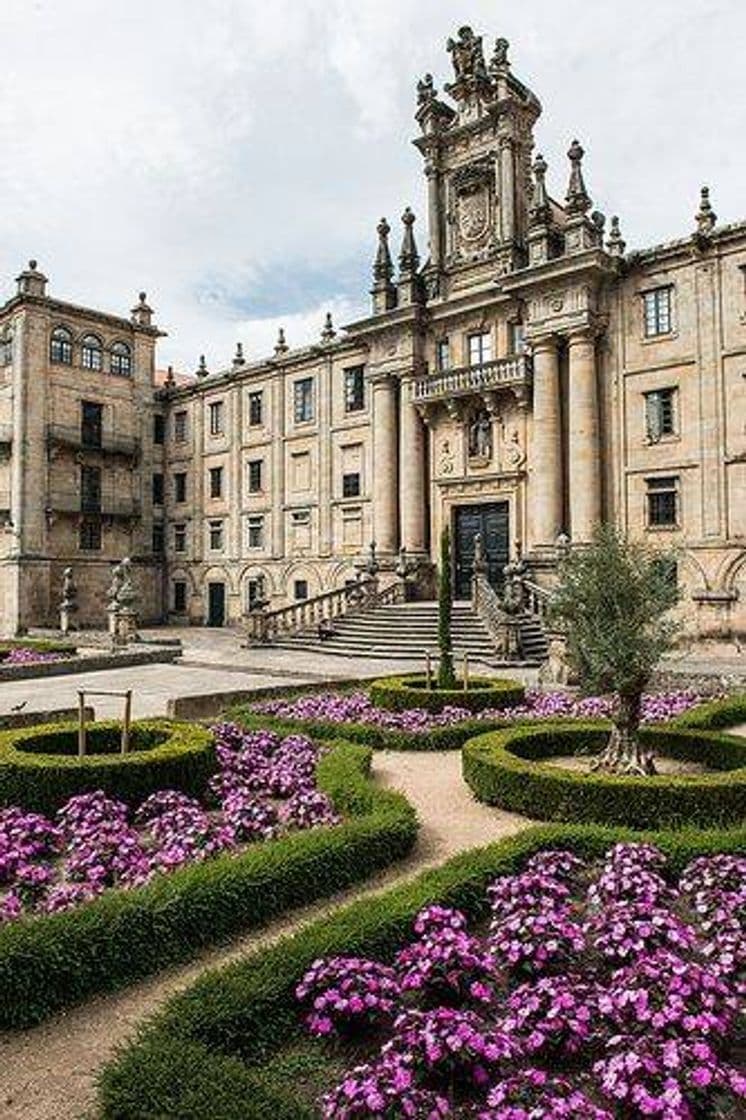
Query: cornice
column 593, row 262
column 63, row 307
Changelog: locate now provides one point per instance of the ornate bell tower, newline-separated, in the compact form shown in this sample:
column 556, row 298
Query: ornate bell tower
column 478, row 166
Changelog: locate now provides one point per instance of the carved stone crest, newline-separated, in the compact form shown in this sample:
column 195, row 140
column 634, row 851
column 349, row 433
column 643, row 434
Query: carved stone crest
column 446, row 461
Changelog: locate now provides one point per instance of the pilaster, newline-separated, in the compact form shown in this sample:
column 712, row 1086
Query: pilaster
column 584, row 454
column 385, row 465
column 412, row 474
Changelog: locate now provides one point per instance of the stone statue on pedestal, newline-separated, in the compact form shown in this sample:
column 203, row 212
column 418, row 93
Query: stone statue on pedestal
column 69, row 601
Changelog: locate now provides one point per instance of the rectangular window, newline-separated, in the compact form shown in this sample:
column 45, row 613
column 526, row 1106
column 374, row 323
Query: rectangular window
column 355, row 389
column 660, row 414
column 256, row 532
column 255, row 591
column 300, row 589
column 516, row 338
column 179, row 596
column 303, row 400
column 216, row 482
column 180, row 486
column 657, row 307
column 91, row 423
column 351, row 485
column 159, row 540
column 663, row 502
column 180, row 427
column 480, row 348
column 216, row 535
column 180, row 537
column 442, row 354
column 255, row 476
column 90, row 534
column 256, row 409
column 216, row 411
column 158, row 489
column 90, row 489
column 159, row 428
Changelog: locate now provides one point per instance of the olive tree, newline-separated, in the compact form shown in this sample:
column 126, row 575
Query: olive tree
column 613, row 604
column 446, row 672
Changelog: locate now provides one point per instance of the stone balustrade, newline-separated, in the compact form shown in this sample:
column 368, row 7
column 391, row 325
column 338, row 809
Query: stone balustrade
column 466, row 380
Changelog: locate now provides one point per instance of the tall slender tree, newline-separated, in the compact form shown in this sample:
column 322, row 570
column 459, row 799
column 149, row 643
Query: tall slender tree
column 613, row 604
column 446, row 672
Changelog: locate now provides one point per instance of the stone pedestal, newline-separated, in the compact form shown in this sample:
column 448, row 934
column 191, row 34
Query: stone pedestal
column 584, row 459
column 546, row 455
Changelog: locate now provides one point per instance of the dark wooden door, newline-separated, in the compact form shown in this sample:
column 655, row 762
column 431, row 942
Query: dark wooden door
column 215, row 604
column 491, row 520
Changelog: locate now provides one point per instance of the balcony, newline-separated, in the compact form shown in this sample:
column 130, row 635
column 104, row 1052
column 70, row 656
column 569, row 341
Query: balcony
column 502, row 373
column 116, row 506
column 106, row 443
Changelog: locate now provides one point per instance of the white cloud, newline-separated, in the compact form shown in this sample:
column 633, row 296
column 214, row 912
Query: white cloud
column 199, row 148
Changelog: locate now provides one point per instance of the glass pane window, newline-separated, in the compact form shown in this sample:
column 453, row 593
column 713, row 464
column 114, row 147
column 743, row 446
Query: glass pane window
column 91, row 352
column 255, row 591
column 180, row 537
column 255, row 476
column 158, row 489
column 516, row 338
column 480, row 348
column 121, row 359
column 6, row 349
column 216, row 411
column 256, row 532
column 91, row 423
column 90, row 489
column 216, row 482
column 90, row 534
column 159, row 540
column 180, row 427
column 355, row 389
column 300, row 589
column 657, row 306
column 303, row 400
column 180, row 486
column 442, row 354
column 663, row 501
column 61, row 346
column 660, row 414
column 216, row 535
column 159, row 428
column 179, row 594
column 351, row 484
column 256, row 409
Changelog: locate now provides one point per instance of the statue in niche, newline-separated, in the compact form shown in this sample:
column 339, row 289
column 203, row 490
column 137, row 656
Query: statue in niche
column 515, row 456
column 480, row 436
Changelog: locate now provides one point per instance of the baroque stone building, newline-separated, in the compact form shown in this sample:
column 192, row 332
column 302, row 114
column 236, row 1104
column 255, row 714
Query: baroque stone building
column 526, row 380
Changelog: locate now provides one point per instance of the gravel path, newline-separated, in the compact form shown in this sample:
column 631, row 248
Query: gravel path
column 48, row 1073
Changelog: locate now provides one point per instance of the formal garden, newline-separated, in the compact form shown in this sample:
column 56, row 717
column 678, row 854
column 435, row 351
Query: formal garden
column 591, row 966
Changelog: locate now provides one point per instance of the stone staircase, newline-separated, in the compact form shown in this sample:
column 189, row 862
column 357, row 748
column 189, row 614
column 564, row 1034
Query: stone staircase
column 407, row 630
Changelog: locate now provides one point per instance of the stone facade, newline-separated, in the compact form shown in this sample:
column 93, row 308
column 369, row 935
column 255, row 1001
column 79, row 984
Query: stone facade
column 528, row 379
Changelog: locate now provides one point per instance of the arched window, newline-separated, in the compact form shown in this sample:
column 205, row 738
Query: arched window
column 6, row 348
column 61, row 346
column 121, row 359
column 91, row 352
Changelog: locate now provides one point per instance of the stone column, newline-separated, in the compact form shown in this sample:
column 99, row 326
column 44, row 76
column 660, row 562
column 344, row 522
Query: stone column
column 545, row 496
column 433, row 207
column 412, row 474
column 385, row 465
column 506, row 183
column 584, row 482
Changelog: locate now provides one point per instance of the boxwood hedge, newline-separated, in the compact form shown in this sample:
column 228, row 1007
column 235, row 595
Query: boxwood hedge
column 397, row 694
column 505, row 768
column 40, row 770
column 203, row 1056
column 51, row 962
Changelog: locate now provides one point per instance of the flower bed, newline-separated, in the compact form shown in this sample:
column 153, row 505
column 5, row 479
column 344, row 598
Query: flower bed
column 264, row 787
column 34, row 652
column 40, row 770
column 234, row 1044
column 353, row 715
column 218, row 884
column 402, row 694
column 505, row 768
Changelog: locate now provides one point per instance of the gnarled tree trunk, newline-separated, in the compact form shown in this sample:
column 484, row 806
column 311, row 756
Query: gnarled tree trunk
column 625, row 753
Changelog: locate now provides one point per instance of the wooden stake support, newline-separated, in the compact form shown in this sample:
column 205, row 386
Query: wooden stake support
column 126, row 721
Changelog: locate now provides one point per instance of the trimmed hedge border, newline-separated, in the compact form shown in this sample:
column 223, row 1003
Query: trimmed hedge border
column 715, row 714
column 52, row 962
column 505, row 768
column 164, row 754
column 397, row 694
column 201, row 1057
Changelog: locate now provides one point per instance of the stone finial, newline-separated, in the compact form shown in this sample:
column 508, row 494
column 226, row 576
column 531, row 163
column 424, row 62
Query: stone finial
column 383, row 268
column 426, row 91
column 409, row 258
column 170, row 380
column 31, row 282
column 328, row 333
column 238, row 358
column 578, row 200
column 706, row 218
column 615, row 244
column 141, row 313
column 540, row 208
column 202, row 370
column 281, row 346
column 499, row 60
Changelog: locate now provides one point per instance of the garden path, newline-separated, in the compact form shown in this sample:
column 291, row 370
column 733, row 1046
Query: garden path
column 48, row 1073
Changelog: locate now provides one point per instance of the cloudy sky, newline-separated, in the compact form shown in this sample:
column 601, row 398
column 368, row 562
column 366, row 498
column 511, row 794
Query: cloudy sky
column 232, row 157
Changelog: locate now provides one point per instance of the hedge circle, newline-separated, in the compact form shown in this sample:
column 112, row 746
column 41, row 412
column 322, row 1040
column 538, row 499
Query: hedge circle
column 505, row 768
column 40, row 769
column 397, row 694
